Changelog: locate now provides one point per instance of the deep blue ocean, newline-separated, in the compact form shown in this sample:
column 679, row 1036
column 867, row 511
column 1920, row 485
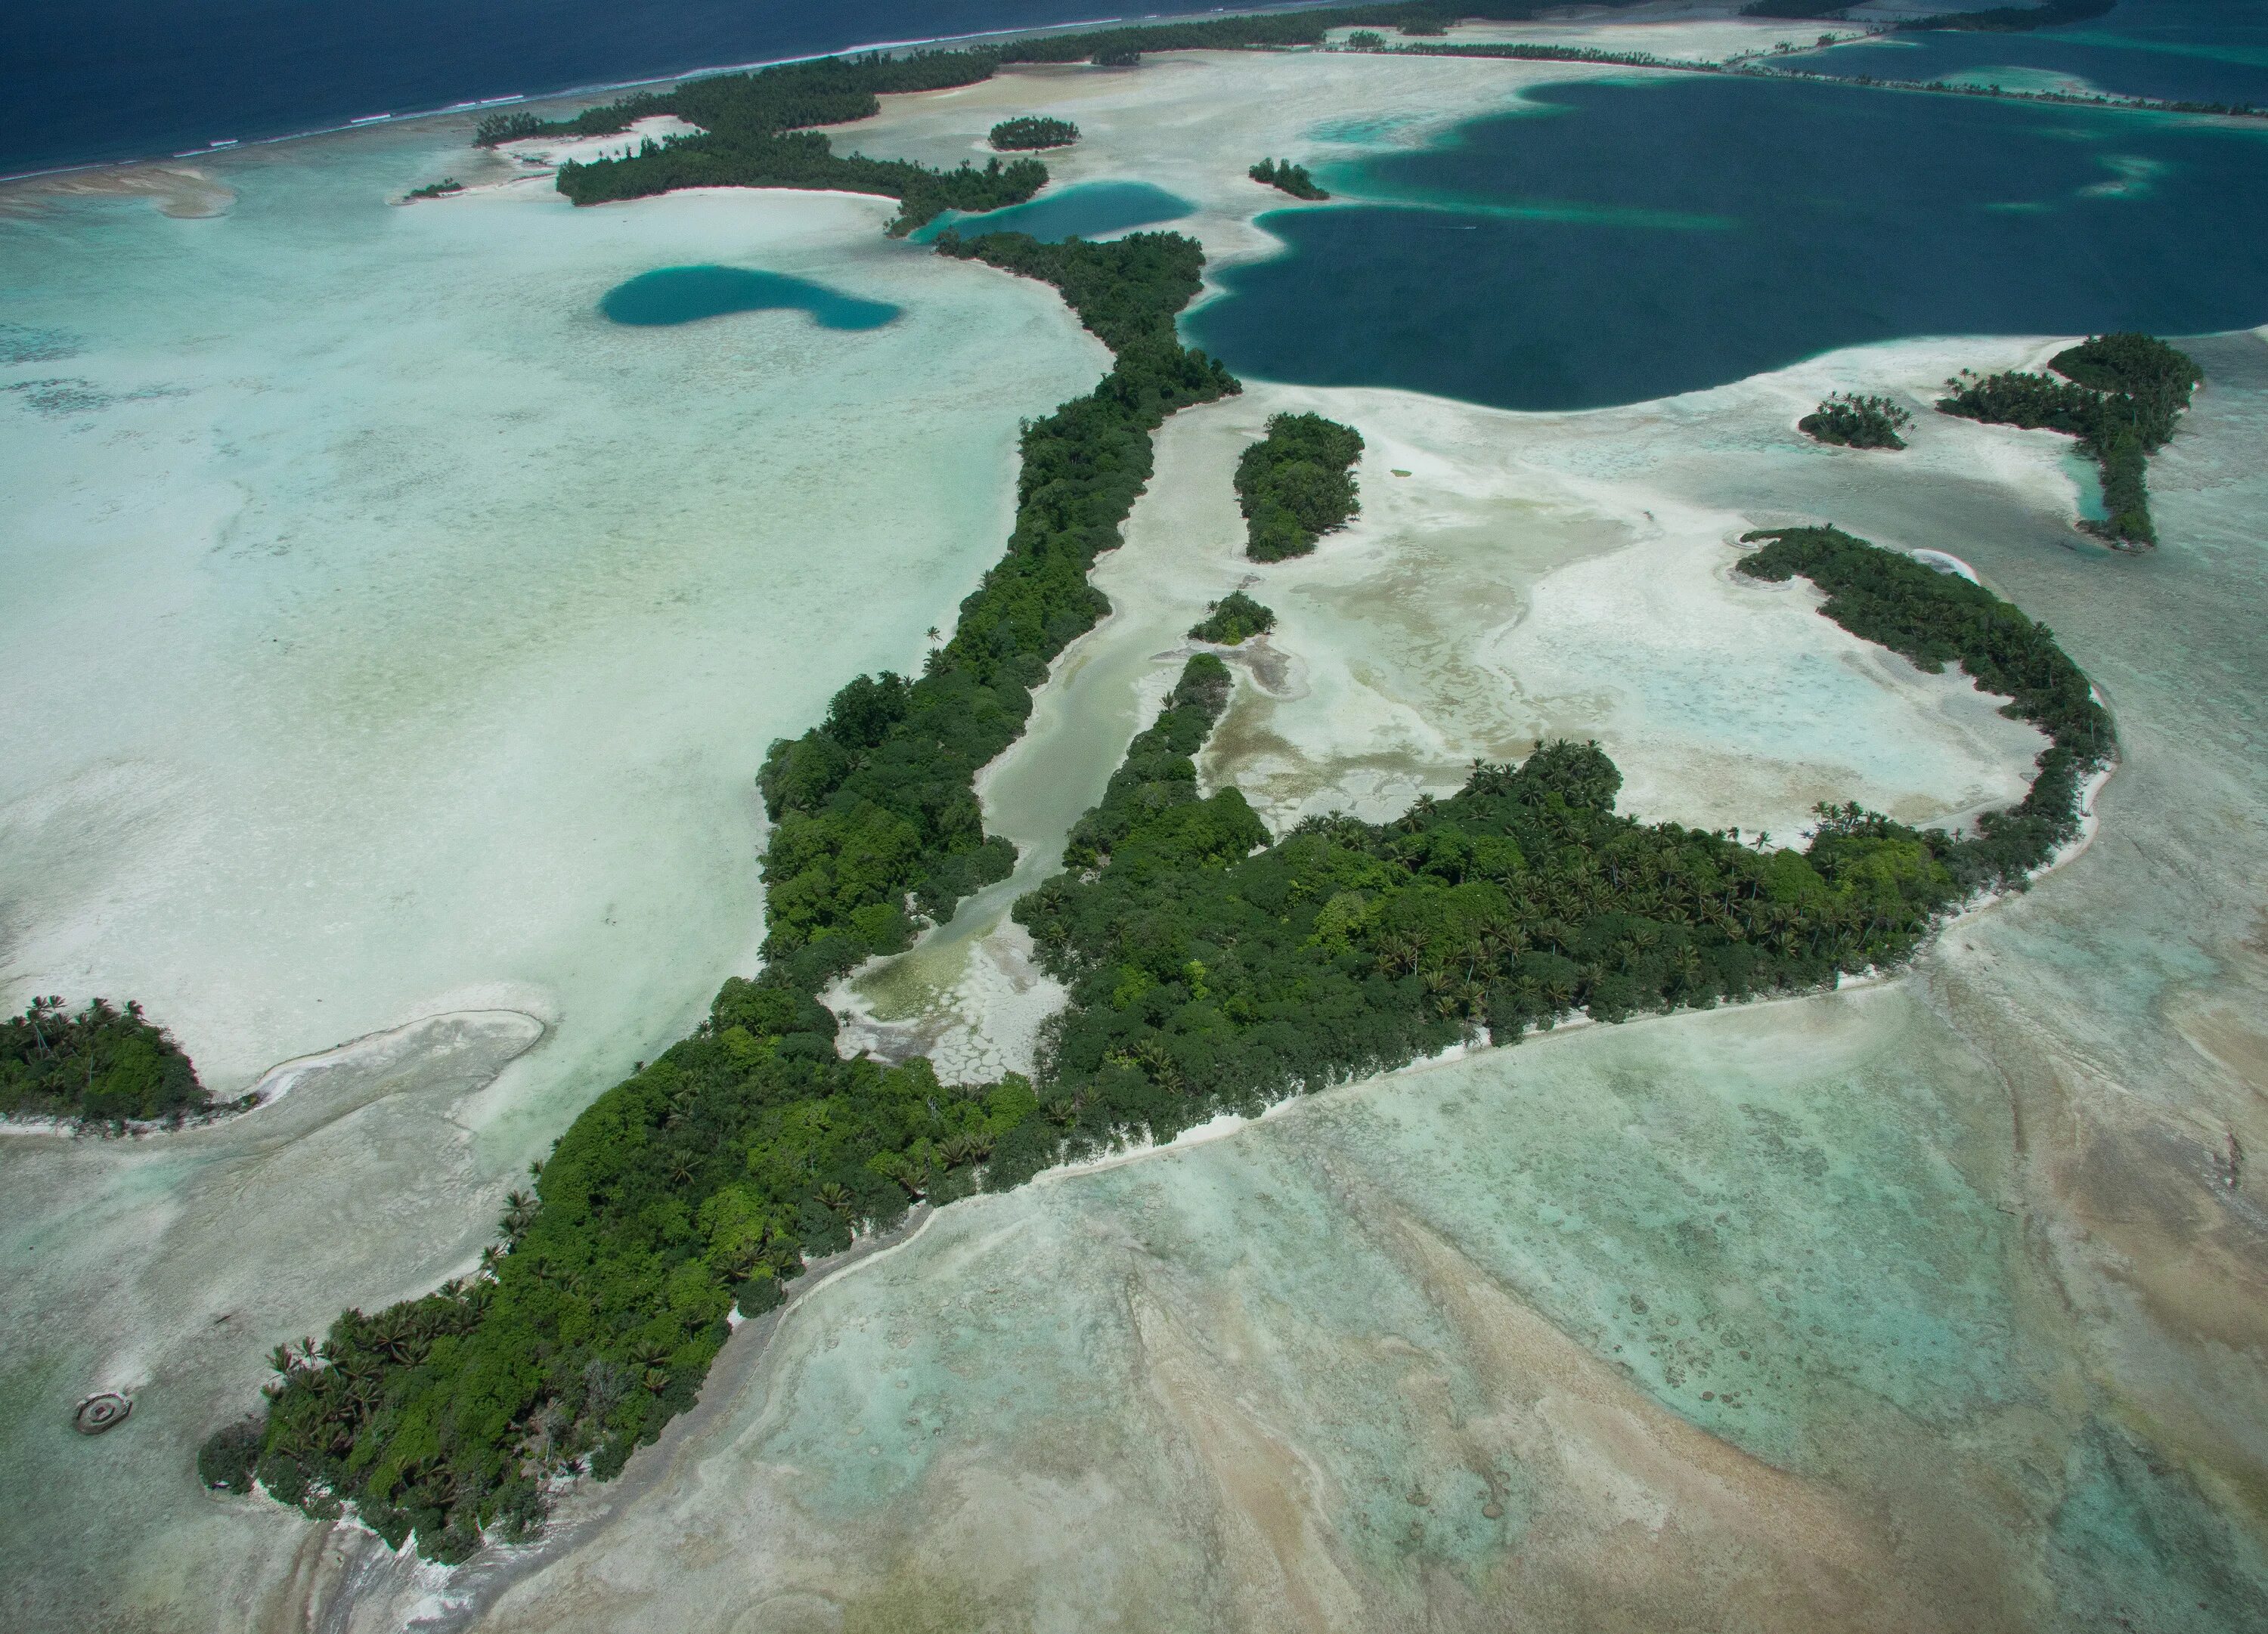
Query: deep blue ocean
column 110, row 80
column 1629, row 239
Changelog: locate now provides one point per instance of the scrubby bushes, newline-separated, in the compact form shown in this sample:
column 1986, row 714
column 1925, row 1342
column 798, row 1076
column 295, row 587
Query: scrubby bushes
column 1296, row 484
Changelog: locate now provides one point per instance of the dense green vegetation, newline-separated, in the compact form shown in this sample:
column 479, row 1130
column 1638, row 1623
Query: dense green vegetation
column 99, row 1065
column 2122, row 396
column 1854, row 421
column 1031, row 131
column 436, row 189
column 1296, row 484
column 1292, row 178
column 1231, row 619
column 1935, row 619
column 1210, row 969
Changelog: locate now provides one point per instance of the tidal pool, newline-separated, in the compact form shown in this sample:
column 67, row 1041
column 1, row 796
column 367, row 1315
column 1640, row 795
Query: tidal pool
column 669, row 296
column 1620, row 241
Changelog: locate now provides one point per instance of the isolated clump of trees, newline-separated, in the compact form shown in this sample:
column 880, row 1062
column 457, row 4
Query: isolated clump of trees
column 1231, row 619
column 1296, row 484
column 2121, row 396
column 1031, row 131
column 97, row 1065
column 1849, row 421
column 1290, row 178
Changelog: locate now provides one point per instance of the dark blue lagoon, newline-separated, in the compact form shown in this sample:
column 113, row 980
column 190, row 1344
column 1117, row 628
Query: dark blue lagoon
column 2173, row 50
column 1631, row 239
column 1091, row 210
column 674, row 295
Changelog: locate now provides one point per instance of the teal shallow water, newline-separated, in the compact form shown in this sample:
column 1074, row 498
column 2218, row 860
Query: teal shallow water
column 669, row 296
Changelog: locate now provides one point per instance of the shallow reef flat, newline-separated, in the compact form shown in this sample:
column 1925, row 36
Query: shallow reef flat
column 1708, row 1321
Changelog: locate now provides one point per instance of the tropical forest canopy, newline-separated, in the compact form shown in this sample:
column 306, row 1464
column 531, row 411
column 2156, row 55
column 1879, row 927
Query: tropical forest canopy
column 97, row 1065
column 1296, row 484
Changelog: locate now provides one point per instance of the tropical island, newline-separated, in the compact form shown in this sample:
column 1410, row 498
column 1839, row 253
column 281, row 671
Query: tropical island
column 1849, row 421
column 1033, row 132
column 1211, row 965
column 1291, row 179
column 2121, row 396
column 1296, row 484
column 98, row 1065
column 1231, row 620
column 1212, row 968
column 436, row 189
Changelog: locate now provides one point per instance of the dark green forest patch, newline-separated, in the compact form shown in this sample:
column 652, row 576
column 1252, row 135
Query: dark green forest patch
column 1296, row 484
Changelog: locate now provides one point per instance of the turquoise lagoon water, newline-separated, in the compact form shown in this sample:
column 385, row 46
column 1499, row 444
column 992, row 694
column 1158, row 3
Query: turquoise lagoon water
column 1091, row 210
column 2173, row 51
column 674, row 295
column 1632, row 239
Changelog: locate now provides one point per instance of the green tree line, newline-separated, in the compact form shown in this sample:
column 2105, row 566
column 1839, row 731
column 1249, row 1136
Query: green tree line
column 2122, row 396
column 1296, row 484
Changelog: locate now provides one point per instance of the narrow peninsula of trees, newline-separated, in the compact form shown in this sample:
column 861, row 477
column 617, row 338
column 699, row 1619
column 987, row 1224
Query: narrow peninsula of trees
column 436, row 189
column 1033, row 132
column 1231, row 619
column 1296, row 484
column 2122, row 396
column 706, row 1179
column 1852, row 422
column 98, row 1065
column 1291, row 179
